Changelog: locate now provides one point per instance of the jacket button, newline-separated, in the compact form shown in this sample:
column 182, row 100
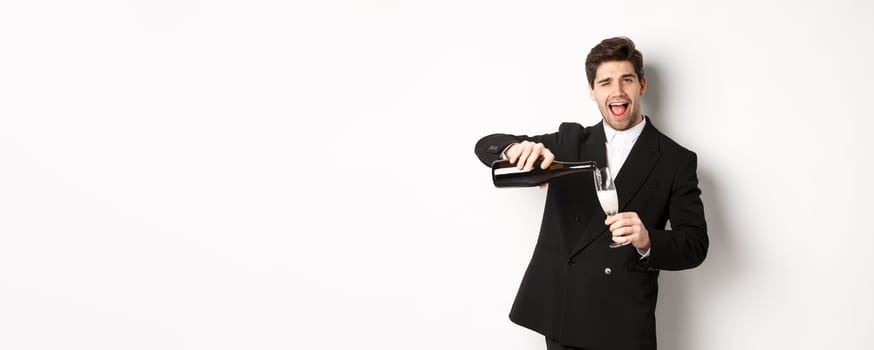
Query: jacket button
column 577, row 219
column 608, row 271
column 570, row 262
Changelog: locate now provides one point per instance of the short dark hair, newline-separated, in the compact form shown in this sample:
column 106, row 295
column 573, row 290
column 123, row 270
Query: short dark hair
column 613, row 49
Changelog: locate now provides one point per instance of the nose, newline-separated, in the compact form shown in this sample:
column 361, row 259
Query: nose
column 616, row 90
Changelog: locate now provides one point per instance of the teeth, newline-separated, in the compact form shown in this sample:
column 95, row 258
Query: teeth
column 618, row 103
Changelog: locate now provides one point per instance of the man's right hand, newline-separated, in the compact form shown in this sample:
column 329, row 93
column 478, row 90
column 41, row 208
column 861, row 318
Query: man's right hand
column 525, row 153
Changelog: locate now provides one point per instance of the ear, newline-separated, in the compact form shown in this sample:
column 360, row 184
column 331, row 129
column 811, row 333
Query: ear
column 642, row 86
column 591, row 92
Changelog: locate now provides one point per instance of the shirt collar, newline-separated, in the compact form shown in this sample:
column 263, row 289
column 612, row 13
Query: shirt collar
column 628, row 135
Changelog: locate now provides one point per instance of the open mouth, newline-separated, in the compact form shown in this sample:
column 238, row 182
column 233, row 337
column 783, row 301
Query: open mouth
column 618, row 109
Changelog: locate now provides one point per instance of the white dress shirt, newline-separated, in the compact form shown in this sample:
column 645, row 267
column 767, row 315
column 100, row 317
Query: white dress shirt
column 619, row 144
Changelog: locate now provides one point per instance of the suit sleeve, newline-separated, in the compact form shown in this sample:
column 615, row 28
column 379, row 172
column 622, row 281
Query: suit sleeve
column 488, row 149
column 685, row 245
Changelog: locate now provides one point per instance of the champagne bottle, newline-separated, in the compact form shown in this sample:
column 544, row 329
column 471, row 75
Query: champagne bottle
column 505, row 174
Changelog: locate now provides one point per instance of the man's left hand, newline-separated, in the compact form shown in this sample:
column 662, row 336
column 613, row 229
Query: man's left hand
column 626, row 226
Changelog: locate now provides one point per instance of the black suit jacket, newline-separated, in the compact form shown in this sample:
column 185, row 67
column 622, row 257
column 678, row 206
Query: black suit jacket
column 578, row 290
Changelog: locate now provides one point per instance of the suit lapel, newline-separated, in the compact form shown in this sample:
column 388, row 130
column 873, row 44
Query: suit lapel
column 636, row 169
column 595, row 149
column 639, row 164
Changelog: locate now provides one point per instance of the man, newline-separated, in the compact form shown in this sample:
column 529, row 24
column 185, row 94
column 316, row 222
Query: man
column 577, row 291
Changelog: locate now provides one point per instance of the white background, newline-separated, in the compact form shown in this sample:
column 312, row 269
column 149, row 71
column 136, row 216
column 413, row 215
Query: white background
column 300, row 175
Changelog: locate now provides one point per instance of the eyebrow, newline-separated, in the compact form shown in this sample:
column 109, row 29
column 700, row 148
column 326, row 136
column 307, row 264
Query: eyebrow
column 627, row 75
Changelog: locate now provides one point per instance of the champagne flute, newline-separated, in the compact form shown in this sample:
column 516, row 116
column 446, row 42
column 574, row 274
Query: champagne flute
column 606, row 191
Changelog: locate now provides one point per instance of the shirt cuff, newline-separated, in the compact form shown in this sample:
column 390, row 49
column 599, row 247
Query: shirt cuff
column 643, row 253
column 504, row 156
